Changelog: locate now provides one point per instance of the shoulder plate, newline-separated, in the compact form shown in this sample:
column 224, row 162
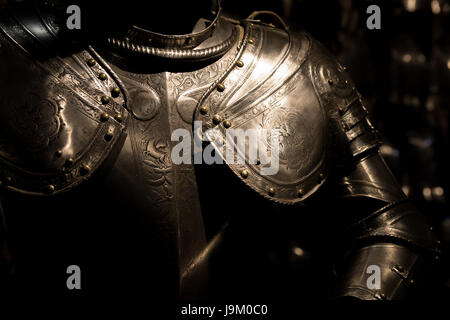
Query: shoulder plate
column 286, row 82
column 59, row 118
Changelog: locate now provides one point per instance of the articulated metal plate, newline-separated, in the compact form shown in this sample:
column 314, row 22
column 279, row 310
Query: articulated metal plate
column 275, row 85
column 60, row 119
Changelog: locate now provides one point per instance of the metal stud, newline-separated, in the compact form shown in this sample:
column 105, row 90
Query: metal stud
column 271, row 192
column 68, row 162
column 118, row 117
column 240, row 63
column 104, row 99
column 227, row 124
column 102, row 76
column 321, row 176
column 50, row 188
column 300, row 193
column 244, row 174
column 203, row 110
column 91, row 62
column 7, row 180
column 58, row 154
column 108, row 136
column 220, row 87
column 217, row 119
column 330, row 82
column 115, row 92
column 104, row 117
column 251, row 41
column 85, row 169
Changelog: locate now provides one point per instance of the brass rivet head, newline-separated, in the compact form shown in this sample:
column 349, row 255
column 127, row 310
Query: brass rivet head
column 108, row 136
column 341, row 110
column 300, row 193
column 50, row 188
column 251, row 41
column 244, row 174
column 220, row 87
column 118, row 117
column 85, row 169
column 58, row 154
column 431, row 228
column 115, row 92
column 411, row 281
column 321, row 176
column 227, row 124
column 7, row 180
column 203, row 110
column 271, row 192
column 91, row 62
column 104, row 99
column 102, row 76
column 239, row 63
column 217, row 119
column 436, row 257
column 68, row 162
column 104, row 117
column 330, row 82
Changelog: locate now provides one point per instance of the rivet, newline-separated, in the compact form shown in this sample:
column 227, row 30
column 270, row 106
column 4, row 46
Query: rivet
column 105, row 99
column 411, row 281
column 341, row 110
column 102, row 76
column 217, row 119
column 115, row 92
column 68, row 162
column 50, row 188
column 220, row 87
column 271, row 192
column 431, row 228
column 321, row 176
column 118, row 117
column 108, row 136
column 58, row 154
column 91, row 62
column 227, row 124
column 7, row 180
column 300, row 193
column 240, row 63
column 244, row 174
column 330, row 82
column 203, row 110
column 251, row 41
column 436, row 257
column 104, row 117
column 85, row 169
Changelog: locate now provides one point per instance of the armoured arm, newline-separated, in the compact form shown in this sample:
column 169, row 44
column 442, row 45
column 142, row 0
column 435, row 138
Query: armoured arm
column 383, row 229
column 393, row 236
